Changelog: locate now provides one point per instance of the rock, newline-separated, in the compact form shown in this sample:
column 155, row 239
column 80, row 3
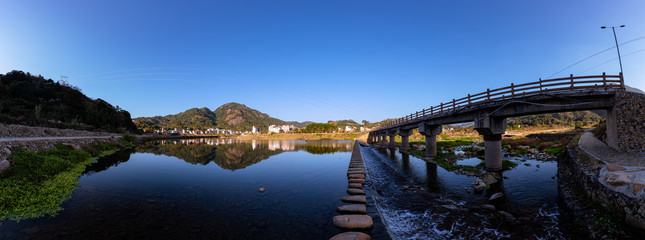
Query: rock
column 490, row 180
column 489, row 207
column 638, row 187
column 351, row 236
column 479, row 185
column 496, row 196
column 537, row 165
column 4, row 164
column 614, row 168
column 360, row 176
column 352, row 208
column 618, row 179
column 357, row 180
column 355, row 172
column 356, row 185
column 507, row 216
column 523, row 147
column 261, row 190
column 353, row 221
column 355, row 191
column 7, row 151
column 354, row 199
column 479, row 151
column 450, row 207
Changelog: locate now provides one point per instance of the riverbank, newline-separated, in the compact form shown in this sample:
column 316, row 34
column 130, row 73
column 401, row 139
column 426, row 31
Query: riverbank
column 361, row 136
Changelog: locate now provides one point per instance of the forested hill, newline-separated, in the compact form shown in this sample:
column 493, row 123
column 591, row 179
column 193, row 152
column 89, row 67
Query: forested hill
column 36, row 101
column 230, row 116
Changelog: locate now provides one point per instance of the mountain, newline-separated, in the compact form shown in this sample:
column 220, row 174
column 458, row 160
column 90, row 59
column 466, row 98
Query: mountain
column 233, row 116
column 33, row 100
column 239, row 117
column 343, row 123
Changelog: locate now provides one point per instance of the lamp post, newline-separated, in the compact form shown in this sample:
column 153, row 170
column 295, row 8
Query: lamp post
column 613, row 28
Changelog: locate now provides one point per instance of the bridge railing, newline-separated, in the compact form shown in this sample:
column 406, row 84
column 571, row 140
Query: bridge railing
column 603, row 81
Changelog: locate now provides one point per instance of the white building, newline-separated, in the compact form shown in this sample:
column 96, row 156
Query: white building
column 255, row 130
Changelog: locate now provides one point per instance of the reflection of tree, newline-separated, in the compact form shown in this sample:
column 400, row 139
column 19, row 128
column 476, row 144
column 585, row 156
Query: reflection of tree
column 321, row 149
column 106, row 162
column 230, row 156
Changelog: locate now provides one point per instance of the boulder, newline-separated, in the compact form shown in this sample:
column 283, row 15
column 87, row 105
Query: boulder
column 261, row 190
column 496, row 196
column 638, row 186
column 355, row 191
column 613, row 168
column 354, row 199
column 478, row 151
column 353, row 221
column 355, row 185
column 351, row 236
column 489, row 207
column 4, row 164
column 357, row 180
column 618, row 179
column 352, row 208
column 479, row 185
column 489, row 179
column 507, row 216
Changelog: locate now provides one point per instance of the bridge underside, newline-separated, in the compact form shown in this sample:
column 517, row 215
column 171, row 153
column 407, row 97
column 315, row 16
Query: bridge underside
column 490, row 119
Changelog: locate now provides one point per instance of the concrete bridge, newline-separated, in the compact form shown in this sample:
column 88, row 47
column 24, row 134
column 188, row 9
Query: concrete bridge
column 489, row 110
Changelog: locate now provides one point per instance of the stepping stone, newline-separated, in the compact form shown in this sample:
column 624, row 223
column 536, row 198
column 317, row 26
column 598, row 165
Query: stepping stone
column 356, row 172
column 355, row 191
column 353, row 221
column 361, row 176
column 358, row 168
column 355, row 185
column 354, row 199
column 352, row 208
column 351, row 236
column 357, row 180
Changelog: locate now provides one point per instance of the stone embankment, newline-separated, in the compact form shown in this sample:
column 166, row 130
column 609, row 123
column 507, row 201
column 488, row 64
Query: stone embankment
column 615, row 180
column 354, row 216
column 13, row 137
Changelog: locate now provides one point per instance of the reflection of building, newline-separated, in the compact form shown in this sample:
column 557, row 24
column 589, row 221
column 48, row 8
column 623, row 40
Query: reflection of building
column 283, row 128
column 255, row 129
column 284, row 145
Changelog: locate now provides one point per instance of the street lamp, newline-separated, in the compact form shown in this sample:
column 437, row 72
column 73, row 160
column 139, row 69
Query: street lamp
column 613, row 28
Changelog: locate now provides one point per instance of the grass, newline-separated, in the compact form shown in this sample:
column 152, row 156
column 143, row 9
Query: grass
column 37, row 183
column 506, row 165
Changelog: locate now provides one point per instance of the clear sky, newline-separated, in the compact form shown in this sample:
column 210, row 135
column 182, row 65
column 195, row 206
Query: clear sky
column 314, row 60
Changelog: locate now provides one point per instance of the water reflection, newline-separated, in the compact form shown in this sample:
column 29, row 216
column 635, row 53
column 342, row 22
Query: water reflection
column 234, row 154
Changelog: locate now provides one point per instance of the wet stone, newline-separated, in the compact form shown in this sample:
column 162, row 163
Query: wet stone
column 496, row 196
column 355, row 172
column 489, row 207
column 355, row 191
column 353, row 221
column 4, row 164
column 356, row 185
column 352, row 208
column 614, row 168
column 357, row 180
column 351, row 236
column 354, row 199
column 361, row 176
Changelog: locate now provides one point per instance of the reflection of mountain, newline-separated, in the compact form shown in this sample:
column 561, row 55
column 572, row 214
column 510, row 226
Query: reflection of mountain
column 108, row 161
column 226, row 154
column 325, row 149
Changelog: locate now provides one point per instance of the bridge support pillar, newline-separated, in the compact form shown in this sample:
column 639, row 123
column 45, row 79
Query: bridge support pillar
column 405, row 138
column 430, row 131
column 612, row 129
column 392, row 135
column 492, row 129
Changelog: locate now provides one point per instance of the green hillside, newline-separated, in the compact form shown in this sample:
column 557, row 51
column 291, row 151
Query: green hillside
column 239, row 117
column 36, row 101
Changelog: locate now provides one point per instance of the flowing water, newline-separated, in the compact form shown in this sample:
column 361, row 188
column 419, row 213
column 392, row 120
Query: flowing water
column 419, row 200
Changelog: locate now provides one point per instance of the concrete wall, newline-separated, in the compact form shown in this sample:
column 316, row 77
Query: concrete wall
column 630, row 121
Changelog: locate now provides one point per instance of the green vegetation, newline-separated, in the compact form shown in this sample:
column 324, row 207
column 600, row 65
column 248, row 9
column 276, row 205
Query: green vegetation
column 37, row 183
column 577, row 119
column 36, row 101
column 555, row 150
column 320, row 128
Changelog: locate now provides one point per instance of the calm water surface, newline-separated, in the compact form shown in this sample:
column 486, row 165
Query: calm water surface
column 203, row 189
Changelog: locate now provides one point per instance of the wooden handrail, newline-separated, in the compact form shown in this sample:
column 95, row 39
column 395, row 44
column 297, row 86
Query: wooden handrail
column 603, row 81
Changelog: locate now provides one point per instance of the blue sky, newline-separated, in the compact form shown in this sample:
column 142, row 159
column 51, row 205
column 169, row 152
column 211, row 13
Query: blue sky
column 313, row 60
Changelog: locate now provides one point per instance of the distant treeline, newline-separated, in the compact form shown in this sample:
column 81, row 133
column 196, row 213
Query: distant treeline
column 36, row 101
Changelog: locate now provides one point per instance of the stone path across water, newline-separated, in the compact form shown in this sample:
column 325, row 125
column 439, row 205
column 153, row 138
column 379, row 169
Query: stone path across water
column 600, row 150
column 354, row 216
